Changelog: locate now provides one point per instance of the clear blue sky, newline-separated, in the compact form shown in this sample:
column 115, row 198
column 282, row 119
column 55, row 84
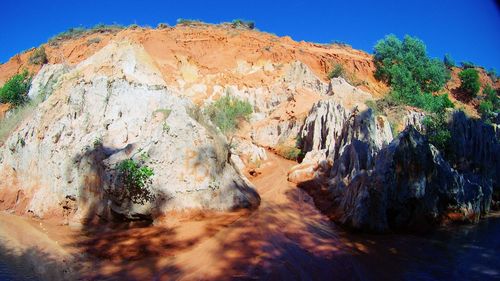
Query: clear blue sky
column 467, row 29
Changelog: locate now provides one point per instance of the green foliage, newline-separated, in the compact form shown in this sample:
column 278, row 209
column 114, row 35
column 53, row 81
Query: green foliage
column 181, row 21
column 437, row 131
column 448, row 61
column 289, row 152
column 78, row 32
column 38, row 56
column 406, row 67
column 15, row 90
column 492, row 73
column 412, row 75
column 469, row 81
column 136, row 178
column 467, row 64
column 337, row 71
column 490, row 105
column 227, row 111
column 239, row 23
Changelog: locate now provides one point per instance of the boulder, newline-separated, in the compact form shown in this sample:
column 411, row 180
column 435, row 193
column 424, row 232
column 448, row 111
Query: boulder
column 112, row 107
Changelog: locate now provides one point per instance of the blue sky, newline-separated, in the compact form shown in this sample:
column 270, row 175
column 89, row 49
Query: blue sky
column 467, row 29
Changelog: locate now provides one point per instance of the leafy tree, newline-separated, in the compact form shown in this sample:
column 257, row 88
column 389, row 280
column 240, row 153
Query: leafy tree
column 412, row 75
column 227, row 111
column 469, row 81
column 448, row 61
column 395, row 59
column 15, row 90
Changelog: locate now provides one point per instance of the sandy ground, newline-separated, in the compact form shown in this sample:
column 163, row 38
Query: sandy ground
column 286, row 237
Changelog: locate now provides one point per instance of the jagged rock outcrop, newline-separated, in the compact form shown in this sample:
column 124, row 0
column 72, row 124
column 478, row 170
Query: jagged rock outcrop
column 410, row 186
column 475, row 147
column 331, row 130
column 111, row 107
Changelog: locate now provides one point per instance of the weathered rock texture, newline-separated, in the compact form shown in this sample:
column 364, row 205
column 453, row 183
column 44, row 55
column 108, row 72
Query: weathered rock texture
column 111, row 107
column 411, row 185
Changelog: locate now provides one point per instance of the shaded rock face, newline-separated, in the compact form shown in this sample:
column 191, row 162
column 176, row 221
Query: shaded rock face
column 410, row 186
column 71, row 146
column 475, row 147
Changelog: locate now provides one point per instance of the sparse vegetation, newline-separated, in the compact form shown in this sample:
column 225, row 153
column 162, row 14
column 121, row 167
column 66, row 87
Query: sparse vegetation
column 181, row 21
column 227, row 111
column 340, row 43
column 448, row 61
column 136, row 178
column 95, row 40
column 15, row 90
column 469, row 79
column 239, row 23
column 38, row 56
column 16, row 115
column 78, row 32
column 289, row 152
column 162, row 25
column 492, row 73
column 337, row 71
column 467, row 64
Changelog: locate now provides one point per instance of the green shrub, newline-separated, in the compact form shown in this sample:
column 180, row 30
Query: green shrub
column 467, row 64
column 406, row 67
column 239, row 23
column 289, row 152
column 38, row 56
column 469, row 79
column 181, row 21
column 15, row 90
column 490, row 104
column 78, row 32
column 227, row 111
column 162, row 26
column 437, row 131
column 136, row 178
column 337, row 71
column 448, row 61
column 492, row 73
column 486, row 108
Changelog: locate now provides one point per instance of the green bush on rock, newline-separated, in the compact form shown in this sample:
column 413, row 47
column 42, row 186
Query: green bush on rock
column 227, row 111
column 469, row 79
column 15, row 90
column 136, row 178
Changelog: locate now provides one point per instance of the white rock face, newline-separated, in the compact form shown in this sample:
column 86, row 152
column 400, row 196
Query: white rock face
column 347, row 95
column 111, row 107
column 45, row 82
column 331, row 129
